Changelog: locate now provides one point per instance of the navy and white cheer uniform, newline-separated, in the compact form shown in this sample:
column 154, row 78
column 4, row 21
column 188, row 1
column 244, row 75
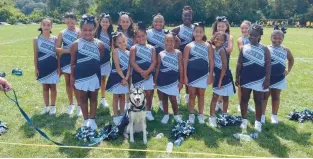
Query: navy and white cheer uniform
column 156, row 39
column 114, row 84
column 105, row 61
column 167, row 81
column 252, row 75
column 185, row 36
column 68, row 37
column 47, row 60
column 87, row 70
column 228, row 87
column 144, row 60
column 278, row 62
column 198, row 65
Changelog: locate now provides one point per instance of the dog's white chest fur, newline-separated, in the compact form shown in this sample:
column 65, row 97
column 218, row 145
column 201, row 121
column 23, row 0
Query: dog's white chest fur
column 138, row 119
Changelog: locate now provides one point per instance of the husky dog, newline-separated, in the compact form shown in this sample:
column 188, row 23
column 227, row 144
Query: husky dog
column 137, row 114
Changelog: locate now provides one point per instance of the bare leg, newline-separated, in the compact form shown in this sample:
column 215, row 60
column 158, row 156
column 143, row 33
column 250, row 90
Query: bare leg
column 93, row 104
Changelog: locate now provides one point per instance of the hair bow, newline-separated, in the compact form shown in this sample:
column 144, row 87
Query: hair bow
column 283, row 29
column 105, row 15
column 141, row 25
column 86, row 18
column 116, row 34
column 123, row 13
column 221, row 18
column 201, row 24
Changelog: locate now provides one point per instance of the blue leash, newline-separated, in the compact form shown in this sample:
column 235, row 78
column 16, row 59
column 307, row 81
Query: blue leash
column 96, row 141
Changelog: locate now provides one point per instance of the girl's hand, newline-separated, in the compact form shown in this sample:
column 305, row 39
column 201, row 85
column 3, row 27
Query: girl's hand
column 186, row 80
column 36, row 73
column 124, row 82
column 210, row 79
column 180, row 85
column 145, row 75
column 286, row 72
column 59, row 72
column 266, row 83
column 237, row 83
column 220, row 85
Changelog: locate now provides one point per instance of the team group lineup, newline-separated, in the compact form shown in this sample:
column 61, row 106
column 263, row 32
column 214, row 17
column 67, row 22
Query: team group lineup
column 160, row 59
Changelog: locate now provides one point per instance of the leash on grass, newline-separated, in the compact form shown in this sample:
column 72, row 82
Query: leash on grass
column 42, row 133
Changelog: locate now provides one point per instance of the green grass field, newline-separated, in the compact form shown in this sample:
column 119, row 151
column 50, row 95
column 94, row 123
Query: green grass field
column 287, row 139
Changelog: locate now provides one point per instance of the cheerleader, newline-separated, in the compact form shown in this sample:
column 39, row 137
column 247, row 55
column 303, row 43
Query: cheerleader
column 65, row 39
column 119, row 76
column 279, row 55
column 256, row 58
column 104, row 33
column 155, row 37
column 126, row 26
column 169, row 76
column 85, row 64
column 46, row 64
column 243, row 40
column 184, row 33
column 197, row 75
column 223, row 85
column 143, row 60
column 221, row 24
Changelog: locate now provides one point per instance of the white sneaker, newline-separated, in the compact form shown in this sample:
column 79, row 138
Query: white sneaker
column 212, row 122
column 192, row 118
column 161, row 105
column 186, row 98
column 250, row 108
column 263, row 119
column 244, row 124
column 93, row 124
column 201, row 119
column 178, row 99
column 79, row 111
column 104, row 103
column 149, row 116
column 45, row 110
column 116, row 120
column 70, row 109
column 53, row 110
column 258, row 126
column 86, row 123
column 238, row 108
column 177, row 118
column 219, row 105
column 274, row 119
column 165, row 119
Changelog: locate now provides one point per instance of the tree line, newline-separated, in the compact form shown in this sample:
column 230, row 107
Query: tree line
column 26, row 11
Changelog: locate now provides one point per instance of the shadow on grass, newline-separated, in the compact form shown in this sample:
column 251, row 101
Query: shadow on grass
column 57, row 125
column 271, row 134
column 73, row 152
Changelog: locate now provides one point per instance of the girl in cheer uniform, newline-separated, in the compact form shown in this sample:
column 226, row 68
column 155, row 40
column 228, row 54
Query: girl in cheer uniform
column 279, row 56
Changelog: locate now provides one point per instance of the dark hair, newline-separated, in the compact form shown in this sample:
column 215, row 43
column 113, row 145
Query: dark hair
column 219, row 34
column 141, row 27
column 187, row 9
column 99, row 27
column 40, row 29
column 278, row 30
column 70, row 15
column 199, row 25
column 220, row 19
column 256, row 27
column 87, row 19
column 114, row 36
column 130, row 30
